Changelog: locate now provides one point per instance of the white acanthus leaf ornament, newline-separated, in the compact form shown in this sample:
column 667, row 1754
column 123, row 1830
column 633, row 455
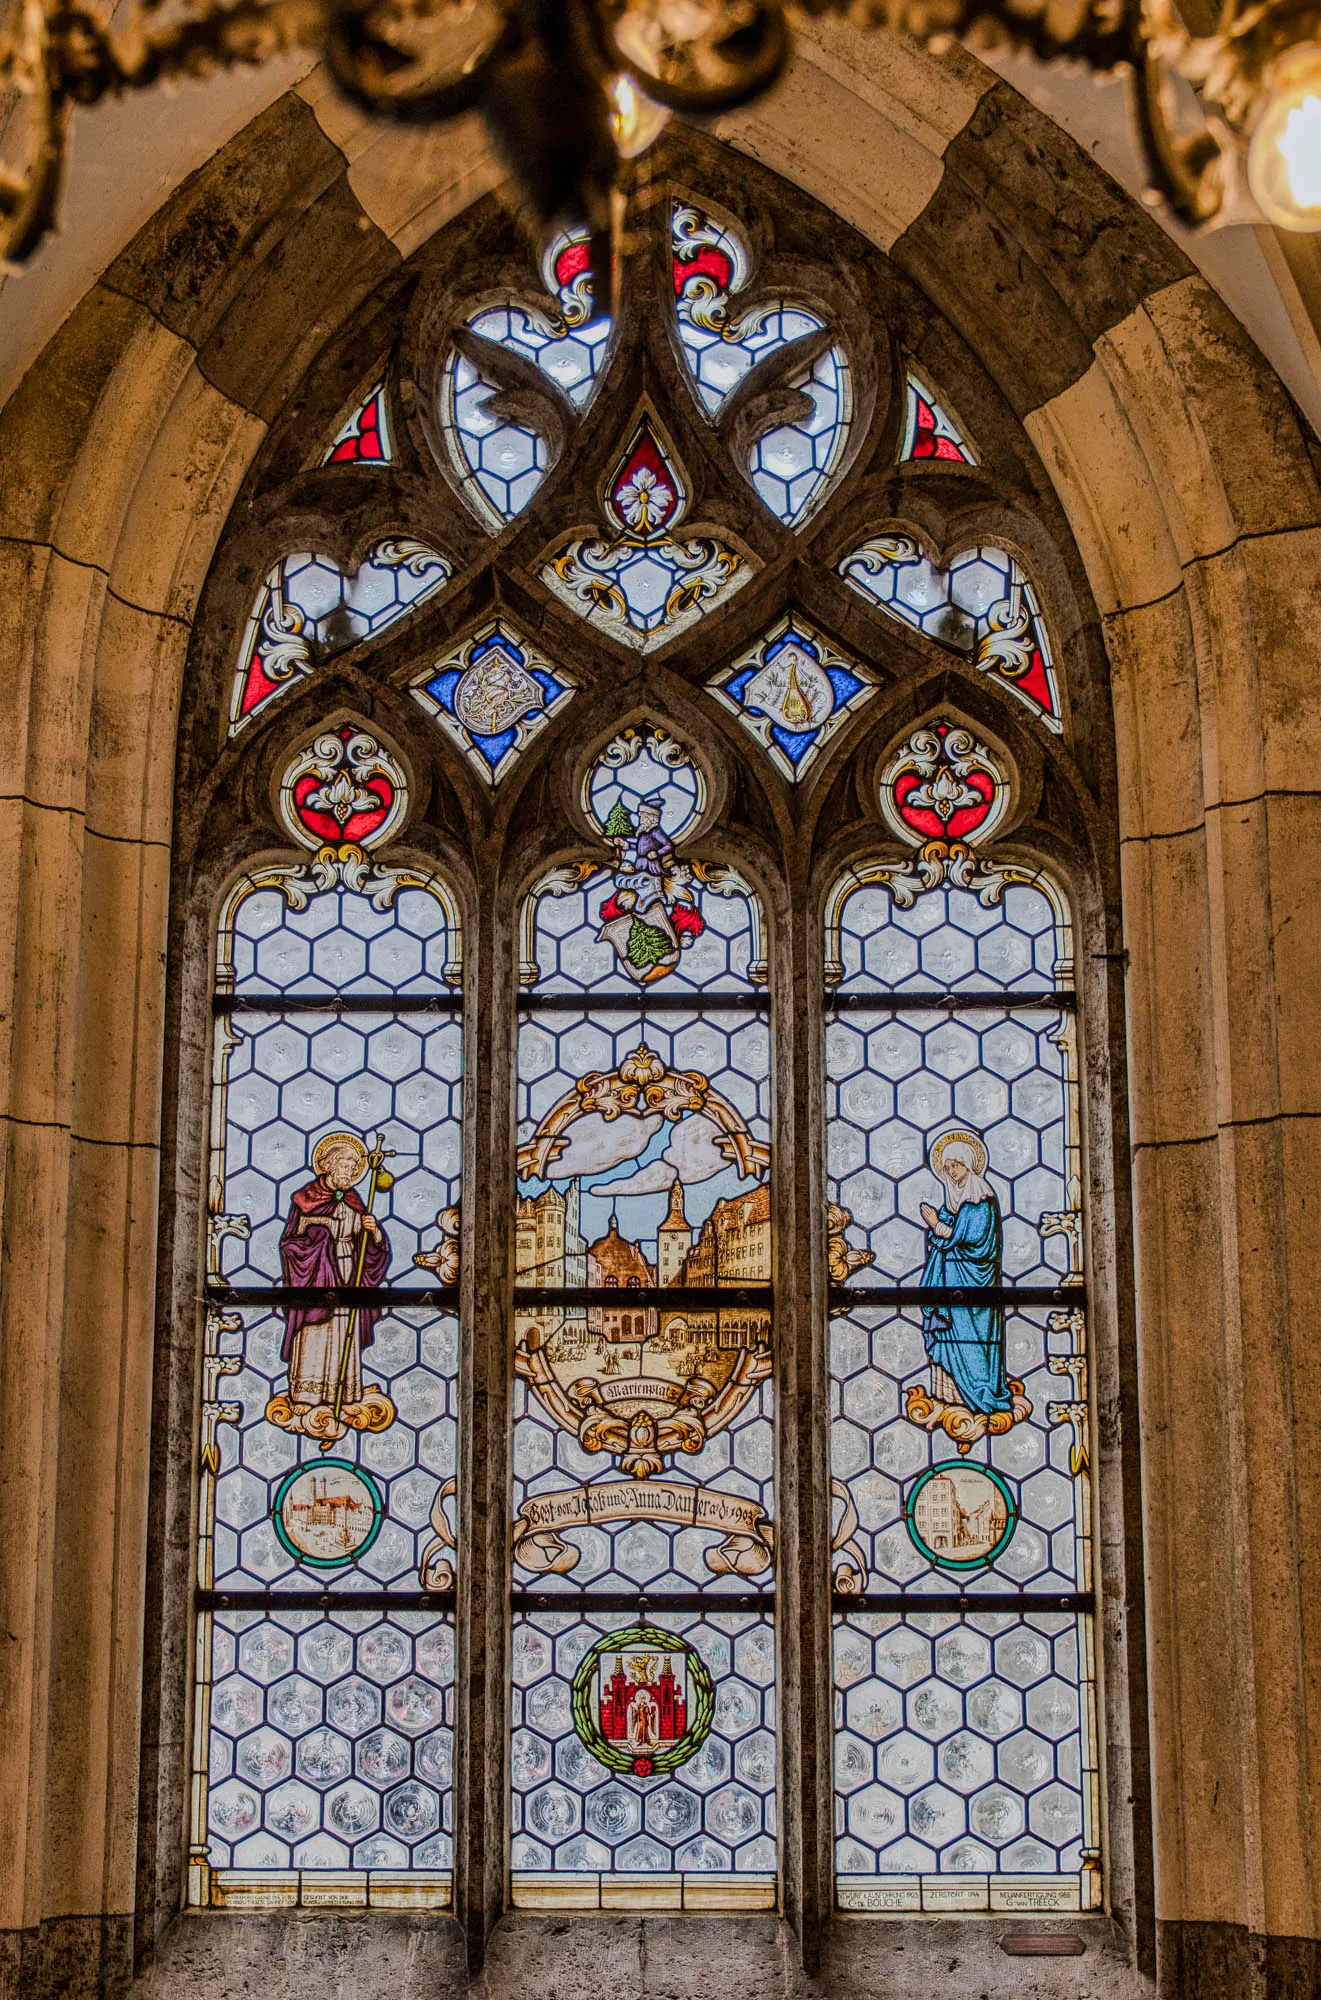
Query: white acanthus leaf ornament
column 644, row 500
column 341, row 797
column 944, row 795
column 1008, row 643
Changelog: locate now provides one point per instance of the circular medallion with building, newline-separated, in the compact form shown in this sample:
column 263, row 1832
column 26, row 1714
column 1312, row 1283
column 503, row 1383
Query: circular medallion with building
column 643, row 1701
column 328, row 1513
column 960, row 1516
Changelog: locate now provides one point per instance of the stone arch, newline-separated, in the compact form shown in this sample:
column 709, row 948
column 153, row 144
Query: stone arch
column 1191, row 490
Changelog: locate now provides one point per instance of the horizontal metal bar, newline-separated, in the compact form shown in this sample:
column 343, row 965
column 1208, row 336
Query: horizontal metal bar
column 690, row 1298
column 434, row 1298
column 643, row 1603
column 1050, row 998
column 958, row 1295
column 337, row 1003
column 324, row 1600
column 613, row 1002
column 912, row 1603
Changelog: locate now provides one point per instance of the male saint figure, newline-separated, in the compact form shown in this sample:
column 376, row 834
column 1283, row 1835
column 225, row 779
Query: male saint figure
column 331, row 1239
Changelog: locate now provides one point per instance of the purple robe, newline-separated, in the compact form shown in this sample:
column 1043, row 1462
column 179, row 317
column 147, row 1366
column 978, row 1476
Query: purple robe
column 309, row 1259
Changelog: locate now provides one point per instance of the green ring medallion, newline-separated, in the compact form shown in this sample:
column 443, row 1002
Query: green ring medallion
column 960, row 1516
column 327, row 1512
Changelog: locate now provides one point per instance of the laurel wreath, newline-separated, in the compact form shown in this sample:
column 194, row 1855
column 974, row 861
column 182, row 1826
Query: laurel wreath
column 702, row 1701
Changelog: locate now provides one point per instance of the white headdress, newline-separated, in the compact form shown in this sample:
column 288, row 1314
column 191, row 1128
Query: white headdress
column 969, row 1151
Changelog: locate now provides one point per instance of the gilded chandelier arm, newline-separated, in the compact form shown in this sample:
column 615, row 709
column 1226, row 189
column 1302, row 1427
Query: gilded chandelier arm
column 570, row 88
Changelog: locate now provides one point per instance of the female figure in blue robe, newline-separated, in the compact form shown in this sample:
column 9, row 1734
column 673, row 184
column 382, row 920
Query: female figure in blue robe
column 965, row 1343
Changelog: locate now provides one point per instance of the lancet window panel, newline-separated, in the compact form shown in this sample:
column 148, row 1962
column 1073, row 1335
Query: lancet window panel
column 323, row 1697
column 966, row 1747
column 643, row 1439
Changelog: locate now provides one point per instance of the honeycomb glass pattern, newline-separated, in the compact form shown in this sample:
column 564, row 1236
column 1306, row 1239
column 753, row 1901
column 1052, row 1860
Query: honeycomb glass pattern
column 948, row 941
column 896, row 1082
column 292, row 1079
column 329, row 1748
column 877, row 1453
column 413, row 1355
column 702, row 1836
column 709, row 265
column 328, row 1424
column 569, row 356
column 959, row 1421
column 965, row 1762
column 983, row 606
column 791, row 465
column 499, row 465
column 310, row 610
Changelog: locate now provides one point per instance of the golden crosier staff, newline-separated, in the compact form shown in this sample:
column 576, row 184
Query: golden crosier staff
column 381, row 1181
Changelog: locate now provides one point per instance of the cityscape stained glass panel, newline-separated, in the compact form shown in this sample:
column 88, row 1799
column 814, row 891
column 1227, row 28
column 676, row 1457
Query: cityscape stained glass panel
column 310, row 610
column 982, row 605
column 643, row 1448
column 322, row 1740
column 966, row 1750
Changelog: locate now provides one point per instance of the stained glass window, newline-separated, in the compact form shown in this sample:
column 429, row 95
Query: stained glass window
column 929, row 430
column 639, row 581
column 364, row 439
column 310, row 609
column 491, row 695
column 966, row 1747
column 982, row 605
column 325, row 1569
column 643, row 1753
column 792, row 692
column 500, row 462
column 789, row 465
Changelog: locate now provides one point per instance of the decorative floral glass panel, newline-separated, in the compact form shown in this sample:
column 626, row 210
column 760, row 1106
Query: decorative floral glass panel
column 930, row 431
column 365, row 437
column 643, row 1450
column 640, row 582
column 982, row 605
column 310, row 610
column 966, row 1753
column 789, row 465
column 792, row 692
column 500, row 461
column 328, row 1453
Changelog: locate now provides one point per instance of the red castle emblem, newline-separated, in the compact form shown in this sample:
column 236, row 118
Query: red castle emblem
column 643, row 1703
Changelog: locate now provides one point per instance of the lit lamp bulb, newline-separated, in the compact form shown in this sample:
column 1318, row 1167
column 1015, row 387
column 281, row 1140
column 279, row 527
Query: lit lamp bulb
column 1284, row 154
column 635, row 118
